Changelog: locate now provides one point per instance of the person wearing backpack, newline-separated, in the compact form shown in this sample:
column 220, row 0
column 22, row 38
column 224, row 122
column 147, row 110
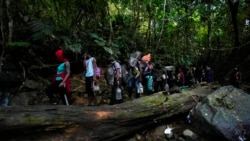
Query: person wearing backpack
column 159, row 80
column 147, row 77
column 134, row 75
column 61, row 81
column 116, row 96
column 134, row 81
column 89, row 63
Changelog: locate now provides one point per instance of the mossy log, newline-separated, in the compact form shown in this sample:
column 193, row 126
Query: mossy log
column 99, row 123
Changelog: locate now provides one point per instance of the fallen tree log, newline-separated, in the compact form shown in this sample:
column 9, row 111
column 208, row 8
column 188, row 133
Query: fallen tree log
column 99, row 123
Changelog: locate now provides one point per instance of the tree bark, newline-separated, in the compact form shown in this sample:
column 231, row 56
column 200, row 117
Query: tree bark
column 229, row 62
column 102, row 123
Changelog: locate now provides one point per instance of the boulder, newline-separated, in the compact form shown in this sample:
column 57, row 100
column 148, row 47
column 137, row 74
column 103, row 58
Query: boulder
column 26, row 98
column 31, row 84
column 225, row 113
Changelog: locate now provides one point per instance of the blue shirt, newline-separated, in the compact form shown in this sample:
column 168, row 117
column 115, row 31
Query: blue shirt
column 89, row 67
column 60, row 69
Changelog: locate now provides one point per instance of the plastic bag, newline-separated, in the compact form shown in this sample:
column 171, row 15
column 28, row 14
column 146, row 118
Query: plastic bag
column 96, row 87
column 118, row 93
column 140, row 89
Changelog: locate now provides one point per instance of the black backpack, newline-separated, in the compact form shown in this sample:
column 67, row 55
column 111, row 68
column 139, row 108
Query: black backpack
column 11, row 75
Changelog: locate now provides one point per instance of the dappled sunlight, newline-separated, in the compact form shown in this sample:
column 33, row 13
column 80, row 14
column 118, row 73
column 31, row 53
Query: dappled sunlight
column 100, row 114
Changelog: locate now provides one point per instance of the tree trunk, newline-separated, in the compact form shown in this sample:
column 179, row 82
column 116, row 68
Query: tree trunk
column 3, row 44
column 103, row 123
column 229, row 62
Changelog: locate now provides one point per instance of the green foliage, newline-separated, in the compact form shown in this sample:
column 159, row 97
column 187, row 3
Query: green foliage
column 18, row 44
column 110, row 48
column 74, row 46
column 185, row 60
column 40, row 30
column 102, row 43
column 176, row 32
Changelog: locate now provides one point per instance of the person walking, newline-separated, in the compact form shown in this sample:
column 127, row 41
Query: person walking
column 89, row 63
column 180, row 78
column 236, row 78
column 159, row 80
column 61, row 81
column 134, row 81
column 116, row 96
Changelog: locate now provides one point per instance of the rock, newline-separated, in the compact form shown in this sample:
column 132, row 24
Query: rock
column 224, row 112
column 30, row 84
column 190, row 135
column 26, row 98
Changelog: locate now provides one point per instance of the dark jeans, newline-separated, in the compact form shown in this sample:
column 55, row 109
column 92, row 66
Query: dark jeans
column 90, row 91
column 133, row 83
column 54, row 89
column 89, row 86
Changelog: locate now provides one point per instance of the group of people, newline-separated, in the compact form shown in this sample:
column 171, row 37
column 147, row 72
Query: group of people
column 138, row 76
column 61, row 82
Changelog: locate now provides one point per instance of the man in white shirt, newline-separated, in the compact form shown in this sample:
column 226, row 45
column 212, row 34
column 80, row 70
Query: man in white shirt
column 89, row 63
